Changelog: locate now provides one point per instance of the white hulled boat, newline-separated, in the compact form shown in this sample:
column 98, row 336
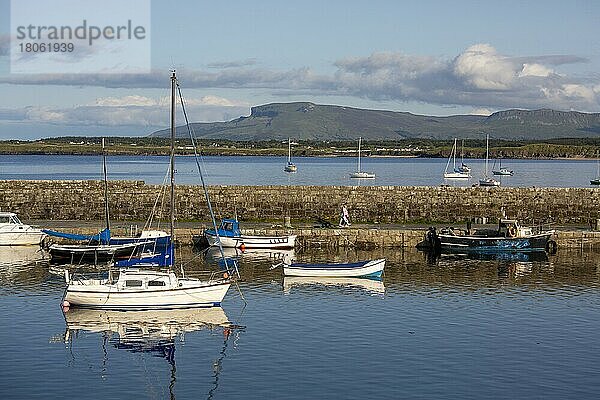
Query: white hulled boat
column 487, row 181
column 456, row 173
column 364, row 269
column 290, row 167
column 137, row 289
column 230, row 235
column 503, row 171
column 15, row 233
column 596, row 181
column 361, row 174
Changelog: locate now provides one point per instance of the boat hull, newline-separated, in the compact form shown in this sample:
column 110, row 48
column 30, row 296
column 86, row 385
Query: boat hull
column 26, row 237
column 489, row 183
column 93, row 253
column 109, row 297
column 15, row 233
column 253, row 242
column 365, row 269
column 457, row 175
column 494, row 244
column 159, row 241
column 362, row 175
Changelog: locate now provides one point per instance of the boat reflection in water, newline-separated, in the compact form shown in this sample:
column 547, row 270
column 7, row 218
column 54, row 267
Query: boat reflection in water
column 272, row 255
column 509, row 264
column 152, row 332
column 374, row 286
column 21, row 255
column 539, row 256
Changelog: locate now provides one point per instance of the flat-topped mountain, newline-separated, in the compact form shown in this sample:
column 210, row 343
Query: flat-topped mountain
column 308, row 121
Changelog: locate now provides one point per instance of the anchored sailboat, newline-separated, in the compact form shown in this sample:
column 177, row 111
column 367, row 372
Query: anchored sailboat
column 290, row 167
column 139, row 289
column 361, row 174
column 456, row 172
column 597, row 180
column 502, row 170
column 487, row 181
column 463, row 167
column 98, row 248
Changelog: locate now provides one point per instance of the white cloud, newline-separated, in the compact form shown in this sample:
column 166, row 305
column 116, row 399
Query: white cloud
column 131, row 110
column 482, row 67
column 534, row 69
column 133, row 100
column 481, row 111
column 573, row 92
column 478, row 77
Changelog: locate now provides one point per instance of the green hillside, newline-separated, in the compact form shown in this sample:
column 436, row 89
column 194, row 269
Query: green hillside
column 308, row 121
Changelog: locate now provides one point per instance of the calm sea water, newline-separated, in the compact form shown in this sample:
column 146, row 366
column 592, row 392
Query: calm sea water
column 452, row 327
column 311, row 171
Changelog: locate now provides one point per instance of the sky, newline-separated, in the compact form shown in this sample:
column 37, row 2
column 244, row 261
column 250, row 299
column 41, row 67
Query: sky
column 425, row 57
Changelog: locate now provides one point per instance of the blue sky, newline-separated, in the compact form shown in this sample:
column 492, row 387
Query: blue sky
column 426, row 57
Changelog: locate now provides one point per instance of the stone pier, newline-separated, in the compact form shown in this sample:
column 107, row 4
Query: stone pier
column 377, row 212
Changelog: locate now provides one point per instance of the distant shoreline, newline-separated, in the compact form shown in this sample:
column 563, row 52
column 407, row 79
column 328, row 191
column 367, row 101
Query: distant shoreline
column 578, row 158
column 559, row 149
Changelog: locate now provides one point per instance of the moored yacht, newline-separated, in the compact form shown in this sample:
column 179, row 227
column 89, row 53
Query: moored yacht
column 147, row 289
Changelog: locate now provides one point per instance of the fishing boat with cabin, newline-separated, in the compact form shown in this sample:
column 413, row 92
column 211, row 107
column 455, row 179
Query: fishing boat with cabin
column 230, row 235
column 15, row 233
column 509, row 236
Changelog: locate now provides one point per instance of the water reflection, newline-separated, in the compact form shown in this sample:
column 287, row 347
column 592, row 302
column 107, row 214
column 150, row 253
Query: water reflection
column 213, row 254
column 374, row 286
column 22, row 267
column 456, row 324
column 537, row 256
column 151, row 332
column 21, row 255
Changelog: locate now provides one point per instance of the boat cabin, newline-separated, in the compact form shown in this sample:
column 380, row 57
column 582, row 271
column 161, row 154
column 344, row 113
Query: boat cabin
column 229, row 228
column 136, row 280
column 9, row 218
column 511, row 228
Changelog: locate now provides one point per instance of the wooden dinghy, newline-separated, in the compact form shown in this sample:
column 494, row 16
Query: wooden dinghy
column 363, row 269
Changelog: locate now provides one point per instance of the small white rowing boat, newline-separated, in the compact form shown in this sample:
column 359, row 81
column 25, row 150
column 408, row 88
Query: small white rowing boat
column 364, row 269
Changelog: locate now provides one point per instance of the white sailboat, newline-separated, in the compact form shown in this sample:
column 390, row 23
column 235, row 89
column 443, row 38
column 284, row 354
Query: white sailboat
column 361, row 174
column 503, row 171
column 290, row 166
column 138, row 289
column 597, row 180
column 455, row 173
column 487, row 181
column 463, row 167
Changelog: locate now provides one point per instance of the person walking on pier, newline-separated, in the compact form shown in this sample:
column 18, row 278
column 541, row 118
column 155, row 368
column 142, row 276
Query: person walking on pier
column 344, row 217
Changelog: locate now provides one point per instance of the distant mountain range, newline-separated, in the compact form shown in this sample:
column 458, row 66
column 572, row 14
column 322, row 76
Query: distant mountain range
column 308, row 121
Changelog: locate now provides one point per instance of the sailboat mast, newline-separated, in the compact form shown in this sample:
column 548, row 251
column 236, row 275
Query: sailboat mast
column 106, row 215
column 289, row 150
column 487, row 152
column 172, row 157
column 454, row 154
column 359, row 140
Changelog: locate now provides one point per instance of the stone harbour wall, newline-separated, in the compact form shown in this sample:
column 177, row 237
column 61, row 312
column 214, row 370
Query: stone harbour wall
column 134, row 201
